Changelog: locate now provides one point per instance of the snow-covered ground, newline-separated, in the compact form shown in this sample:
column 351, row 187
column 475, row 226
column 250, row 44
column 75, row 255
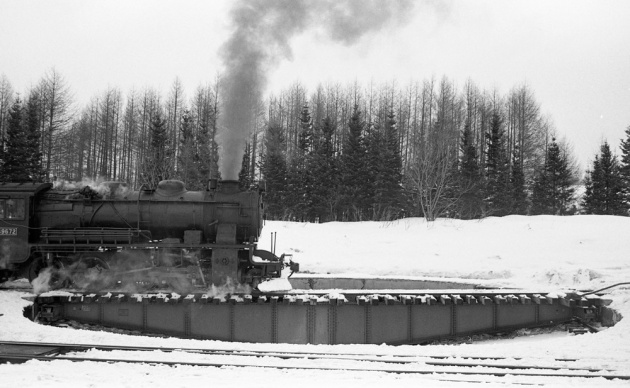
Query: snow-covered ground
column 545, row 253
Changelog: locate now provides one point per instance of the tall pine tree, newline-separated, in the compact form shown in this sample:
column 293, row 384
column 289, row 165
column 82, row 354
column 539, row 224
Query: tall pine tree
column 274, row 171
column 624, row 166
column 391, row 194
column 324, row 167
column 518, row 189
column 497, row 195
column 298, row 175
column 33, row 134
column 553, row 186
column 15, row 167
column 604, row 186
column 158, row 164
column 245, row 180
column 353, row 165
column 469, row 184
column 187, row 169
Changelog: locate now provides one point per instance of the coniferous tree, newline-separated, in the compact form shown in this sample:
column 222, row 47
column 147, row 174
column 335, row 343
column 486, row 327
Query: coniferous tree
column 33, row 134
column 187, row 170
column 391, row 191
column 592, row 198
column 497, row 196
column 15, row 167
column 325, row 172
column 469, row 184
column 299, row 176
column 207, row 149
column 553, row 186
column 624, row 166
column 517, row 185
column 353, row 169
column 274, row 171
column 604, row 186
column 245, row 180
column 374, row 170
column 158, row 164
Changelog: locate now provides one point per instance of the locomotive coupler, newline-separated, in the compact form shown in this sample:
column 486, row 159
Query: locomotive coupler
column 293, row 266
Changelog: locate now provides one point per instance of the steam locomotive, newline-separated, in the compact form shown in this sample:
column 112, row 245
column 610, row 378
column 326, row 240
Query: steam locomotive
column 108, row 236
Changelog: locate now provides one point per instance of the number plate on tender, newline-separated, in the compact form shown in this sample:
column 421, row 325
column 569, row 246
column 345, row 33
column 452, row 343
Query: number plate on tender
column 8, row 231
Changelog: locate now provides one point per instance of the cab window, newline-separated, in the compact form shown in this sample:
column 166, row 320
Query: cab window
column 12, row 208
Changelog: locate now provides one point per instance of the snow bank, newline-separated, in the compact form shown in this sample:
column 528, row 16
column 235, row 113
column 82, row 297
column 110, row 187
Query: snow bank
column 576, row 252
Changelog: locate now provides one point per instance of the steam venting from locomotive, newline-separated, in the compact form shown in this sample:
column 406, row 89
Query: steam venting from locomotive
column 261, row 38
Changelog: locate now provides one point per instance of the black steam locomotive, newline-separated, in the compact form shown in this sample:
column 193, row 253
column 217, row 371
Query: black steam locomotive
column 112, row 236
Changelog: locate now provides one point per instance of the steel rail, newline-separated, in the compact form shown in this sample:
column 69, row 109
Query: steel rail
column 513, row 369
column 453, row 371
column 404, row 358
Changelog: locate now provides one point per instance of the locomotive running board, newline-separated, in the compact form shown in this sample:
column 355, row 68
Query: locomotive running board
column 300, row 318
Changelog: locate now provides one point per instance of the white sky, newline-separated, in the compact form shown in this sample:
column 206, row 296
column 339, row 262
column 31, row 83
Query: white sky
column 575, row 55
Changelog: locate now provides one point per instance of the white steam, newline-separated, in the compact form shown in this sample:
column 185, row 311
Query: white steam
column 261, row 38
column 228, row 288
column 99, row 185
column 41, row 283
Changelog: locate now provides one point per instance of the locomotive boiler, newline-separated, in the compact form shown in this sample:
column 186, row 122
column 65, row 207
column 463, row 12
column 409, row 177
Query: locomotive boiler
column 96, row 237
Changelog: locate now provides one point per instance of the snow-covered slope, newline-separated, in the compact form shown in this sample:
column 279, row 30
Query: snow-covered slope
column 520, row 251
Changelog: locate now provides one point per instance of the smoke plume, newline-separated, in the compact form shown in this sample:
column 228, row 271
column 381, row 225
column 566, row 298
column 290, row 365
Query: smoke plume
column 261, row 39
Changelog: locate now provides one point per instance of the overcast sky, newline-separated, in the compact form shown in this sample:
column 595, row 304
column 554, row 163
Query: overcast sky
column 574, row 55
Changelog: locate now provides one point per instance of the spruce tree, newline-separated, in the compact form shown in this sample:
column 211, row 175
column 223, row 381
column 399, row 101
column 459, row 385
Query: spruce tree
column 15, row 167
column 323, row 164
column 274, row 171
column 517, row 185
column 604, row 186
column 391, row 196
column 299, row 174
column 353, row 169
column 591, row 201
column 469, row 182
column 374, row 171
column 497, row 193
column 624, row 166
column 186, row 158
column 33, row 134
column 157, row 165
column 245, row 181
column 553, row 186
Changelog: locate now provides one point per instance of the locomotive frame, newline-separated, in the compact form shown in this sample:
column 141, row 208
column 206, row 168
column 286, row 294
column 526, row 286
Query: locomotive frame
column 168, row 237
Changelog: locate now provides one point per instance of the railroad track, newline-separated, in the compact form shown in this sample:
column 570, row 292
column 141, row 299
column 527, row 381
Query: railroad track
column 440, row 367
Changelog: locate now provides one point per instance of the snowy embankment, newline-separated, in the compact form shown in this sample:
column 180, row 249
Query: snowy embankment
column 544, row 253
column 516, row 251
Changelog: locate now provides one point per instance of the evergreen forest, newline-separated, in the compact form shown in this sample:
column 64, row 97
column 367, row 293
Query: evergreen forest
column 337, row 153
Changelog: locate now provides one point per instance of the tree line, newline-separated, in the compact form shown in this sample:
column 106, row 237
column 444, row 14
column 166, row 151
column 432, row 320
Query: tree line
column 339, row 152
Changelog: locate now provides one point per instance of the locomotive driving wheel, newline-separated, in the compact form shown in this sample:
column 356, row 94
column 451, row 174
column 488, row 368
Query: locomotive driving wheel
column 91, row 271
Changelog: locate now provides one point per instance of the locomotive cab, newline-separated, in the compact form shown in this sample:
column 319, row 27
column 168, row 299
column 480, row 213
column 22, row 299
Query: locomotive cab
column 16, row 222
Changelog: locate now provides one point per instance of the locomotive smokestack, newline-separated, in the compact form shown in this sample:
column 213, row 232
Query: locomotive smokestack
column 229, row 187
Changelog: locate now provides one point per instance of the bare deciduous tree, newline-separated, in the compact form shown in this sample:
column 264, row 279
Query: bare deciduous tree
column 431, row 181
column 6, row 100
column 56, row 102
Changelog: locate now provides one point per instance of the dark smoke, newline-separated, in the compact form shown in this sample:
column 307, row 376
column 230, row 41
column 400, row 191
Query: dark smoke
column 261, row 38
